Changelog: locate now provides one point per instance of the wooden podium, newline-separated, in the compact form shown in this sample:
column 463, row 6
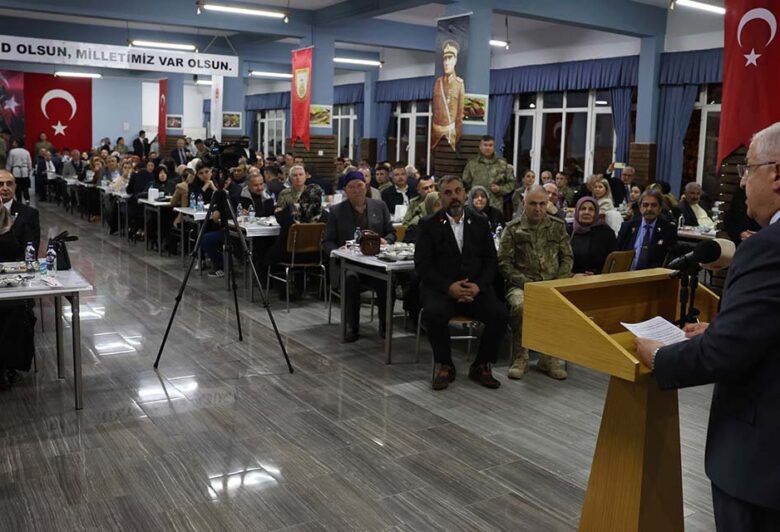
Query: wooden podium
column 635, row 481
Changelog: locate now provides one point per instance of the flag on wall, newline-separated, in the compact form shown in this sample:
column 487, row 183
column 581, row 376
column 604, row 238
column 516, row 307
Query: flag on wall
column 12, row 103
column 59, row 107
column 215, row 120
column 301, row 94
column 750, row 73
column 162, row 110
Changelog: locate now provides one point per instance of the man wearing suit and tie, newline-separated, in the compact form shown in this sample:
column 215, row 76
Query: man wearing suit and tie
column 455, row 258
column 650, row 236
column 740, row 352
column 365, row 213
column 27, row 225
column 181, row 155
column 141, row 145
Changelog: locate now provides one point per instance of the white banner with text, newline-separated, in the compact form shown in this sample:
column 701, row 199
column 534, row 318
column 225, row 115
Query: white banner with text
column 36, row 50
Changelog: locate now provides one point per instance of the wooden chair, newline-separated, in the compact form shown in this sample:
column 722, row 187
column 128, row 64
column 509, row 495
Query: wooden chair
column 306, row 240
column 618, row 261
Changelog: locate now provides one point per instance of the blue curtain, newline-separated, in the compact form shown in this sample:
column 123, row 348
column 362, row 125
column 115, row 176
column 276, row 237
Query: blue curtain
column 271, row 100
column 499, row 115
column 358, row 128
column 573, row 75
column 676, row 106
column 621, row 121
column 384, row 112
column 251, row 127
column 347, row 94
column 404, row 90
column 692, row 68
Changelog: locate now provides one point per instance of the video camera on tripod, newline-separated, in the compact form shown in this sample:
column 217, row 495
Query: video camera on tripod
column 224, row 155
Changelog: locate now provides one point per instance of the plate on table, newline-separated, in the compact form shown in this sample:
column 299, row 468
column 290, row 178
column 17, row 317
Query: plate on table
column 13, row 267
column 10, row 281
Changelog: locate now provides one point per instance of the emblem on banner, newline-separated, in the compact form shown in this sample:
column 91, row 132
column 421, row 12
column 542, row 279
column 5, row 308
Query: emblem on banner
column 301, row 82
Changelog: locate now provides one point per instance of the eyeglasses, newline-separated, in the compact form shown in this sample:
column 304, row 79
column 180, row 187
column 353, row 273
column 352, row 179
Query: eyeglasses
column 744, row 169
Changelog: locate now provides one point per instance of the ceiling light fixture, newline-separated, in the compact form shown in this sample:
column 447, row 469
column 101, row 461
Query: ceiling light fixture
column 353, row 61
column 496, row 42
column 203, row 82
column 602, row 102
column 263, row 74
column 165, row 45
column 92, row 75
column 702, row 6
column 221, row 8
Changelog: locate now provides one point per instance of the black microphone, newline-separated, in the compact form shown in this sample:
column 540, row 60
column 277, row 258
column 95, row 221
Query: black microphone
column 715, row 253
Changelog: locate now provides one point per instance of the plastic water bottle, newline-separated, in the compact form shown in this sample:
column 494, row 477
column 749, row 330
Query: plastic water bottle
column 251, row 217
column 357, row 238
column 498, row 231
column 192, row 201
column 161, row 194
column 51, row 261
column 200, row 203
column 29, row 257
column 273, row 197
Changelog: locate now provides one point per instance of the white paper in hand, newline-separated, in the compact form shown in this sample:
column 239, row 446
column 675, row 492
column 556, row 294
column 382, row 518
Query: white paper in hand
column 657, row 329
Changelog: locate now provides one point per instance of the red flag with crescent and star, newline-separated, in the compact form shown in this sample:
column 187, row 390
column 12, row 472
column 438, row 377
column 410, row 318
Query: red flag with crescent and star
column 751, row 76
column 12, row 103
column 59, row 107
column 162, row 110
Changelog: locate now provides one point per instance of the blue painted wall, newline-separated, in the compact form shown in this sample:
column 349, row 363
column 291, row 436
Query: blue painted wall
column 115, row 101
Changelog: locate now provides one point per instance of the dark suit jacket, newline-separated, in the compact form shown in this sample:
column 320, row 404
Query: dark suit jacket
column 177, row 158
column 391, row 197
column 141, row 147
column 439, row 262
column 40, row 167
column 341, row 225
column 664, row 239
column 27, row 226
column 740, row 351
column 618, row 189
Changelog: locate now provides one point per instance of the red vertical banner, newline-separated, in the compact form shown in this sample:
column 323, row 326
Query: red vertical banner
column 161, row 112
column 59, row 107
column 751, row 56
column 12, row 103
column 300, row 100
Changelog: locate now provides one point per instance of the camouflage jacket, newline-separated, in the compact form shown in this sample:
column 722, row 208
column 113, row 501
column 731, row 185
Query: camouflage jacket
column 384, row 185
column 485, row 171
column 415, row 211
column 288, row 196
column 530, row 253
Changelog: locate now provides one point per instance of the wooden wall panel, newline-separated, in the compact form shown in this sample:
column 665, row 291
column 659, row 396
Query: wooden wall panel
column 448, row 162
column 642, row 158
column 368, row 150
column 320, row 160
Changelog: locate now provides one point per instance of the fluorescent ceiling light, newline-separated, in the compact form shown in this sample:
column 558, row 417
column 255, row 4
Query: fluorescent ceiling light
column 78, row 75
column 166, row 45
column 351, row 61
column 703, row 6
column 261, row 74
column 203, row 82
column 496, row 42
column 602, row 102
column 240, row 10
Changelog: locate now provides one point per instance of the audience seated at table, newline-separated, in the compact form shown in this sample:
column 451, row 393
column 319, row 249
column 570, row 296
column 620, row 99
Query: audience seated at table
column 255, row 195
column 554, row 201
column 603, row 194
column 289, row 196
column 694, row 215
column 181, row 193
column 455, row 258
column 591, row 240
column 47, row 169
column 26, row 222
column 367, row 214
column 273, row 181
column 382, row 173
column 670, row 209
column 402, row 191
column 651, row 236
column 528, row 180
column 479, row 202
column 632, row 206
column 416, row 209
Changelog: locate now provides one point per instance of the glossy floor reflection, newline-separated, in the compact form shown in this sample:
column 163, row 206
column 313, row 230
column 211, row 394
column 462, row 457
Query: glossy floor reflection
column 222, row 438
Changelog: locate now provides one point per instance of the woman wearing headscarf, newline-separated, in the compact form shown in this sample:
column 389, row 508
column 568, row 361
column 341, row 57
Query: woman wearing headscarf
column 591, row 239
column 165, row 185
column 479, row 202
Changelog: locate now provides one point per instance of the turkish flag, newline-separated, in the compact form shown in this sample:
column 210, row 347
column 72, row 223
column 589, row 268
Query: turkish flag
column 161, row 112
column 12, row 103
column 301, row 95
column 751, row 75
column 59, row 107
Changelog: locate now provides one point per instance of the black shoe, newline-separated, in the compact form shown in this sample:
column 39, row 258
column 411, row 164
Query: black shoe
column 382, row 330
column 443, row 377
column 482, row 374
column 351, row 336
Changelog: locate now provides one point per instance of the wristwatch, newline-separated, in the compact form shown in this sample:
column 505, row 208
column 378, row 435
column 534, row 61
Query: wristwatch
column 652, row 358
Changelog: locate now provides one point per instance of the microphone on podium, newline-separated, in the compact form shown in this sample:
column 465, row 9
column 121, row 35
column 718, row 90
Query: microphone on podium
column 714, row 254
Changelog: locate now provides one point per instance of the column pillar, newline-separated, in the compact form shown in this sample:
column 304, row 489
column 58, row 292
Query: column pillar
column 234, row 93
column 643, row 149
column 175, row 100
column 370, row 126
column 323, row 72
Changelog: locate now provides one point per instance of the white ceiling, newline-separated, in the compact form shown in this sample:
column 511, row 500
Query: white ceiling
column 424, row 15
column 295, row 4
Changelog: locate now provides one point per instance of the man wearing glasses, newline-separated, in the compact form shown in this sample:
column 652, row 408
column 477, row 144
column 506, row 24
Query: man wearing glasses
column 740, row 352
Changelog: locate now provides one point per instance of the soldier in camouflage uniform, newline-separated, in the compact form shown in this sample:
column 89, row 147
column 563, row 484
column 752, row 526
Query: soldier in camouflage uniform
column 290, row 196
column 490, row 171
column 534, row 247
column 416, row 208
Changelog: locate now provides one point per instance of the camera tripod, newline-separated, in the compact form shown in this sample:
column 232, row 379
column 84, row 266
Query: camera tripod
column 221, row 199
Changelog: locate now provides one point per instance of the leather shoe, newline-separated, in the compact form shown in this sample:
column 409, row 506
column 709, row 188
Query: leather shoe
column 482, row 374
column 443, row 377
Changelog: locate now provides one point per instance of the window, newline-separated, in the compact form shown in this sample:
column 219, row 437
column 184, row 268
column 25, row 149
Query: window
column 270, row 131
column 700, row 159
column 552, row 130
column 344, row 121
column 409, row 138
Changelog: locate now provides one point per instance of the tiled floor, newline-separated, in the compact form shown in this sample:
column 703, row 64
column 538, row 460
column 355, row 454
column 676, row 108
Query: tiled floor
column 223, row 438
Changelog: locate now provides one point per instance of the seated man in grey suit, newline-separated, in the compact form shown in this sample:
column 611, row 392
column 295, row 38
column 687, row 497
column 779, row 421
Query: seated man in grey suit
column 365, row 213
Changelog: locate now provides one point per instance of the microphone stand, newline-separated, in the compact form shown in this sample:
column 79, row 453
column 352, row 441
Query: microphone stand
column 689, row 282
